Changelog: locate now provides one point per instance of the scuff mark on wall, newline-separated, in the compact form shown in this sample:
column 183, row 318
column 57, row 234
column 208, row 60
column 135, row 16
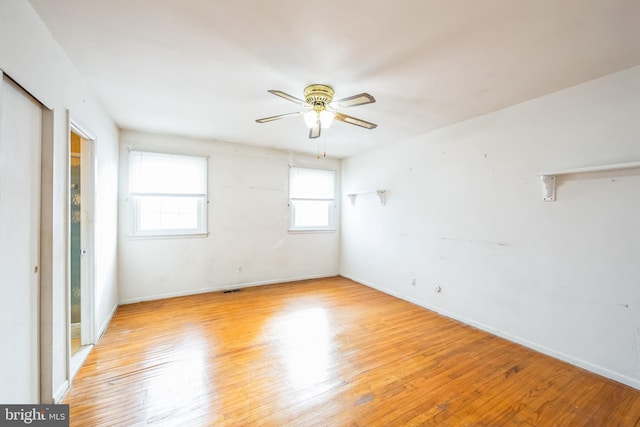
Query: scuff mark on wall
column 483, row 242
column 280, row 242
column 265, row 188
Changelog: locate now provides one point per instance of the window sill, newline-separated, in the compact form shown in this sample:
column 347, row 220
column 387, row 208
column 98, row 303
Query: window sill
column 167, row 236
column 311, row 230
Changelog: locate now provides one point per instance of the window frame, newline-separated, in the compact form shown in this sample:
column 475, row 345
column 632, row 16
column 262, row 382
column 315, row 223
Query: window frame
column 135, row 198
column 331, row 205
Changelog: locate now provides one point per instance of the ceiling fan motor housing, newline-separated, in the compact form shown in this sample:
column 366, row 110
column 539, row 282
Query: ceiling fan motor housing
column 319, row 96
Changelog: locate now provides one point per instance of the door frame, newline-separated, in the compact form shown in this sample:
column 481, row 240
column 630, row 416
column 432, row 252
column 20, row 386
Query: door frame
column 87, row 287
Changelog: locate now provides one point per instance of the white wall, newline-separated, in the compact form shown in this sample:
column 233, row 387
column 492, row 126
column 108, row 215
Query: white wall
column 248, row 219
column 30, row 55
column 464, row 211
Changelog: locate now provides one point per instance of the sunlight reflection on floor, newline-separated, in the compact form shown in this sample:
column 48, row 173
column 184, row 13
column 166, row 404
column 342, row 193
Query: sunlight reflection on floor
column 304, row 335
column 179, row 382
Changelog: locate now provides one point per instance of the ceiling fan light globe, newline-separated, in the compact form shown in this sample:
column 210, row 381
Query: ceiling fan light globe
column 311, row 118
column 326, row 118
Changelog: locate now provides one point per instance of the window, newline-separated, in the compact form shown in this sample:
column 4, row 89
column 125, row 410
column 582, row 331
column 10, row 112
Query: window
column 312, row 197
column 167, row 194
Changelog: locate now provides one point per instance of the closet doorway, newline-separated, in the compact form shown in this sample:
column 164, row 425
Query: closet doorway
column 81, row 245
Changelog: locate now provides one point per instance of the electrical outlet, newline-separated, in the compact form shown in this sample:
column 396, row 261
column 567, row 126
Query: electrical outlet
column 413, row 281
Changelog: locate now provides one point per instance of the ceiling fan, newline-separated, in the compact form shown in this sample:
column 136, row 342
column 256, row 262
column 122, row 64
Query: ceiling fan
column 321, row 109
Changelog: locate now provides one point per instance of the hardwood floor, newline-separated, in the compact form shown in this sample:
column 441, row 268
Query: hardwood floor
column 327, row 352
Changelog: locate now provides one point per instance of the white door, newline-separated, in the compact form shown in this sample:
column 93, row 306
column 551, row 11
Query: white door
column 85, row 218
column 20, row 142
column 86, row 262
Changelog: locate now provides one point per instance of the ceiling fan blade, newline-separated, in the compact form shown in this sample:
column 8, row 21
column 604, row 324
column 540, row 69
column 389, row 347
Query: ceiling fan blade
column 352, row 101
column 281, row 116
column 314, row 132
column 288, row 97
column 355, row 121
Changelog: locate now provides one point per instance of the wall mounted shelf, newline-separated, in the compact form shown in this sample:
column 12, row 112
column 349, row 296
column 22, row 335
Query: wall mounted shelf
column 379, row 193
column 549, row 178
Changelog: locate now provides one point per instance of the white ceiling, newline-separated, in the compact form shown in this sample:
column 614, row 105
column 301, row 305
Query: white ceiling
column 202, row 67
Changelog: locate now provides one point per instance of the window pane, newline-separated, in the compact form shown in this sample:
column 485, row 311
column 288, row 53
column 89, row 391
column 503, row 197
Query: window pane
column 311, row 213
column 167, row 174
column 168, row 213
column 312, row 184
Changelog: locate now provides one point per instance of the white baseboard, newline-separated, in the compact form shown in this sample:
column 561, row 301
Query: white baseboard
column 220, row 288
column 600, row 370
column 106, row 322
column 77, row 360
column 61, row 391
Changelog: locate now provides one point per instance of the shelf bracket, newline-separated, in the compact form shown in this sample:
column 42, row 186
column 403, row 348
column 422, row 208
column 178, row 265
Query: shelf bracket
column 549, row 178
column 379, row 193
column 548, row 188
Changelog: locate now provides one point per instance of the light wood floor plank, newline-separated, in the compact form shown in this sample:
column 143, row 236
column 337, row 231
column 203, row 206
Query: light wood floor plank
column 327, row 352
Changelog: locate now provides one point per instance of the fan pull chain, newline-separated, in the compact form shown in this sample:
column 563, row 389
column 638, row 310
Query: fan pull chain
column 324, row 147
